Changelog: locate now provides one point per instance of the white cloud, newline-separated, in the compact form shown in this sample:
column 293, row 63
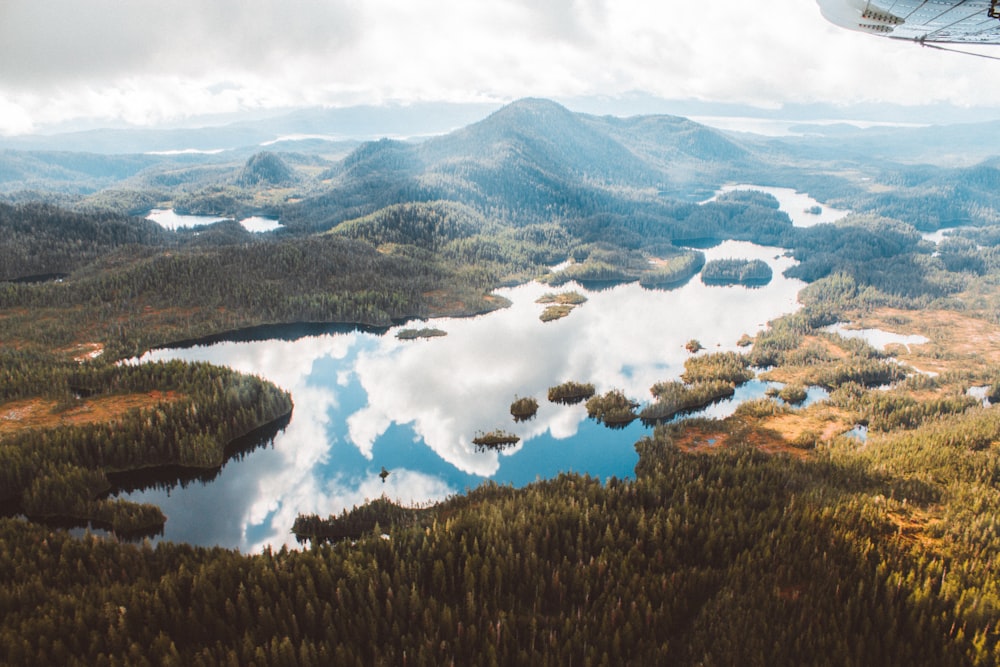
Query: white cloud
column 14, row 119
column 406, row 487
column 450, row 388
column 146, row 61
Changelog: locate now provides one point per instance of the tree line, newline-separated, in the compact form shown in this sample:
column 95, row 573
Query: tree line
column 62, row 472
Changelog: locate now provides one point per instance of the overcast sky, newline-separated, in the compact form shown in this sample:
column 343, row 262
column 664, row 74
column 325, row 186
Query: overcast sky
column 146, row 62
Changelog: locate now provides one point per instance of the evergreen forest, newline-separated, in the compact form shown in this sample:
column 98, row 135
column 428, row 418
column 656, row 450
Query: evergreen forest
column 771, row 537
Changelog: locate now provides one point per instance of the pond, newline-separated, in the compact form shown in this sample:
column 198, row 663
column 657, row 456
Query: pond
column 877, row 338
column 168, row 219
column 937, row 237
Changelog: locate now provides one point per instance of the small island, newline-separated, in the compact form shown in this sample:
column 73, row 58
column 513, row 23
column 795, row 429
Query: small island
column 414, row 334
column 562, row 304
column 556, row 312
column 815, row 209
column 569, row 393
column 523, row 409
column 613, row 409
column 793, row 394
column 748, row 272
column 495, row 440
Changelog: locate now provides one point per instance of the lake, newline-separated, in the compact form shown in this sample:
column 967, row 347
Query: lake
column 796, row 204
column 168, row 219
column 364, row 400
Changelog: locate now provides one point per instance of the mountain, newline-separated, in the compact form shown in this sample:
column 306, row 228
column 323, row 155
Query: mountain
column 265, row 168
column 64, row 170
column 530, row 161
column 546, row 135
column 669, row 139
column 960, row 144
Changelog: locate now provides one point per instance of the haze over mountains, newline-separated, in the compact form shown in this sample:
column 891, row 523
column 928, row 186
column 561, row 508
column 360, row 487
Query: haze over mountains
column 530, row 160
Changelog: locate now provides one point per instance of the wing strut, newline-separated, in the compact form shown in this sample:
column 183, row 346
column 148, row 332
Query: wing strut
column 966, row 53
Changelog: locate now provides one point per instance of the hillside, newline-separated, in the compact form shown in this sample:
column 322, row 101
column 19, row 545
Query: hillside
column 265, row 169
column 528, row 162
column 859, row 529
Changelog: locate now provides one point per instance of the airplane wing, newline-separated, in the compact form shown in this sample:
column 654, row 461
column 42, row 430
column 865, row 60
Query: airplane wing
column 941, row 21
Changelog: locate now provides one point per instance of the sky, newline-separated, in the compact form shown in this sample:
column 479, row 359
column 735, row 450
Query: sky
column 148, row 62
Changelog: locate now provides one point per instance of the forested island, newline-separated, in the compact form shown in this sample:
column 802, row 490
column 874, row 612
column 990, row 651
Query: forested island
column 747, row 272
column 767, row 537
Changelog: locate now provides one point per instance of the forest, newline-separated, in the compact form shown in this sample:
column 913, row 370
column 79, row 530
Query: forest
column 772, row 536
column 62, row 472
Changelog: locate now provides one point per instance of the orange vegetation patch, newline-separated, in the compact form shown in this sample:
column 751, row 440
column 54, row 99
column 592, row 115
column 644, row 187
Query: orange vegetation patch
column 788, row 433
column 828, row 346
column 911, row 525
column 771, row 442
column 788, row 593
column 826, row 423
column 700, row 440
column 15, row 312
column 40, row 413
column 444, row 301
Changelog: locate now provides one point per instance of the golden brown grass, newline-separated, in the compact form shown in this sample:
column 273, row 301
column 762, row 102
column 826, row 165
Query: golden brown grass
column 41, row 413
column 956, row 339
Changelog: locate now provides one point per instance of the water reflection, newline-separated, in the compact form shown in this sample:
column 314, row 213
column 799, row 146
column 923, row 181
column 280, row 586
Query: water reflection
column 365, row 400
column 982, row 393
column 803, row 210
column 169, row 219
column 260, row 224
column 877, row 338
column 169, row 477
column 936, row 237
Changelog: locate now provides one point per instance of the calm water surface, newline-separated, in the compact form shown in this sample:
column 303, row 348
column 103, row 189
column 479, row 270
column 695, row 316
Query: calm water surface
column 795, row 204
column 168, row 219
column 364, row 401
column 877, row 338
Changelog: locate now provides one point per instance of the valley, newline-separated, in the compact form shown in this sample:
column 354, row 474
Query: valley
column 136, row 357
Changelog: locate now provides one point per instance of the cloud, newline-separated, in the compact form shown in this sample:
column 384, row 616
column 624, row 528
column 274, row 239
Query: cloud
column 406, row 487
column 145, row 62
column 61, row 41
column 450, row 388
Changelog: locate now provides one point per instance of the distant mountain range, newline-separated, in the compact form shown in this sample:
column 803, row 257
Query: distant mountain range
column 528, row 161
column 531, row 160
column 351, row 124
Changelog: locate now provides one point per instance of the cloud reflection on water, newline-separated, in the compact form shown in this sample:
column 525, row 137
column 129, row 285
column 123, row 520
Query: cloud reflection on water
column 361, row 399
